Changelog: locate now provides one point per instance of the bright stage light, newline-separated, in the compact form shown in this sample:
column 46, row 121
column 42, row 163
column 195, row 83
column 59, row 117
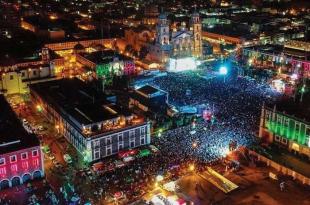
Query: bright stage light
column 182, row 64
column 223, row 70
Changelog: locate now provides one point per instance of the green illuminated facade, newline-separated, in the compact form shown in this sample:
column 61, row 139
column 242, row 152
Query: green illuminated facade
column 104, row 71
column 285, row 129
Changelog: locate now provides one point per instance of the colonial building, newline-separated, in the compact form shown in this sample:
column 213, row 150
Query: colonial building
column 178, row 43
column 96, row 127
column 21, row 159
column 15, row 76
column 107, row 63
column 287, row 124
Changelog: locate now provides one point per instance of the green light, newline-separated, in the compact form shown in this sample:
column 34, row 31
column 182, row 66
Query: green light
column 87, row 155
column 303, row 88
column 106, row 72
column 289, row 131
column 39, row 108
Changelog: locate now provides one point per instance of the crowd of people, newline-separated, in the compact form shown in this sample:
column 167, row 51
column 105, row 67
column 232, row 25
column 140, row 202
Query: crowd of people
column 237, row 104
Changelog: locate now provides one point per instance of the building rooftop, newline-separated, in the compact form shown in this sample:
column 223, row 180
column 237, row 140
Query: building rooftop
column 296, row 109
column 269, row 49
column 105, row 56
column 232, row 30
column 148, row 90
column 82, row 104
column 13, row 136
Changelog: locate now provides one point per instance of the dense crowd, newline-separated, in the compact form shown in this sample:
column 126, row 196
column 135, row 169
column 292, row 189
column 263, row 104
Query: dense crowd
column 237, row 104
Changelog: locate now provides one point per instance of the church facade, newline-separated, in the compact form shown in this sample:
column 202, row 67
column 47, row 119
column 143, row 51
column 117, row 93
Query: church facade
column 177, row 43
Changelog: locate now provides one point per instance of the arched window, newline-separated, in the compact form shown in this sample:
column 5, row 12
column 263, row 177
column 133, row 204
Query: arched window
column 197, row 37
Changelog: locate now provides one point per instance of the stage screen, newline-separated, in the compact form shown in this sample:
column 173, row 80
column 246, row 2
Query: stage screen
column 181, row 64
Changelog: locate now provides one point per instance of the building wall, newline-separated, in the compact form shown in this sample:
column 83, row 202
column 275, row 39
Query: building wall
column 17, row 81
column 284, row 130
column 86, row 43
column 23, row 169
column 126, row 139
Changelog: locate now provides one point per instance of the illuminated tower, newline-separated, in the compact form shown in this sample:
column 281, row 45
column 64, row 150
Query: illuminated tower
column 162, row 30
column 197, row 42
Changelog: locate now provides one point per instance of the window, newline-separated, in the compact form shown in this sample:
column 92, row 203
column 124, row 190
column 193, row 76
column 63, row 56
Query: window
column 11, row 77
column 284, row 140
column 24, row 155
column 297, row 129
column 109, row 151
column 279, row 119
column 286, row 122
column 132, row 134
column 277, row 138
column 307, row 131
column 35, row 162
column 120, row 146
column 2, row 161
column 267, row 115
column 23, row 74
column 13, row 158
column 96, row 143
column 35, row 153
column 142, row 141
column 25, row 165
column 2, row 170
column 14, row 168
column 108, row 140
column 132, row 144
column 34, row 72
column 97, row 153
column 297, row 126
column 142, row 130
column 120, row 137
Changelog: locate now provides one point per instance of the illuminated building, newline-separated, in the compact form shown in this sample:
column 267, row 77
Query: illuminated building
column 178, row 43
column 290, row 60
column 21, row 159
column 42, row 27
column 68, row 45
column 150, row 14
column 96, row 127
column 287, row 124
column 107, row 63
column 16, row 75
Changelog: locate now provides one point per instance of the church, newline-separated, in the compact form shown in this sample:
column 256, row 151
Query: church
column 183, row 42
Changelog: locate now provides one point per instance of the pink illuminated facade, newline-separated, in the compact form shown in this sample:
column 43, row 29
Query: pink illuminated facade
column 21, row 158
column 21, row 166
